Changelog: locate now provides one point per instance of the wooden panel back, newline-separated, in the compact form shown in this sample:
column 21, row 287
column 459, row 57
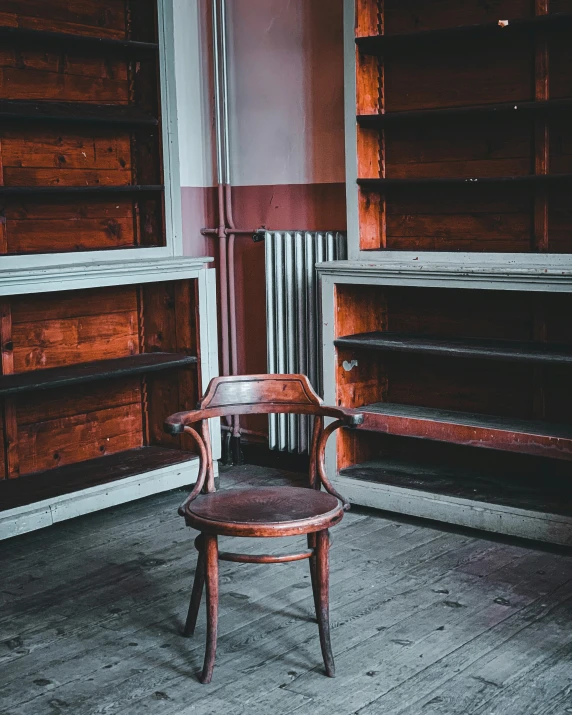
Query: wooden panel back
column 169, row 322
column 463, row 72
column 53, row 429
column 65, row 155
column 81, row 18
column 66, row 328
column 402, row 16
column 469, row 385
column 359, row 309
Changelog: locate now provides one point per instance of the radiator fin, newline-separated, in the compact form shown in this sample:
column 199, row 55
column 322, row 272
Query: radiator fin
column 292, row 317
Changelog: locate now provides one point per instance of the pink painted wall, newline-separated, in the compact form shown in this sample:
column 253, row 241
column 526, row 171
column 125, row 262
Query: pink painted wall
column 287, row 134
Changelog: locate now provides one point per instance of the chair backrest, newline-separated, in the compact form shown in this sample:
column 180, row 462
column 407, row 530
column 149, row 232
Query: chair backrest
column 260, row 394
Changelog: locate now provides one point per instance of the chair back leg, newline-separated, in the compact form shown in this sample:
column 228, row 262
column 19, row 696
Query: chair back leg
column 323, row 601
column 197, row 591
column 211, row 579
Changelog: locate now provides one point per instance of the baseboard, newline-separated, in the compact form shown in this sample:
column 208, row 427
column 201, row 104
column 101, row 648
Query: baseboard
column 21, row 520
column 484, row 516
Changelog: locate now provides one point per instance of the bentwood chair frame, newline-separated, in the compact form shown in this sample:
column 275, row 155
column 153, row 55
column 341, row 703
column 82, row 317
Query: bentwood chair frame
column 288, row 510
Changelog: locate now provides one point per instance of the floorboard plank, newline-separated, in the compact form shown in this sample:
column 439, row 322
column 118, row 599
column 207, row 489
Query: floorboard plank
column 425, row 621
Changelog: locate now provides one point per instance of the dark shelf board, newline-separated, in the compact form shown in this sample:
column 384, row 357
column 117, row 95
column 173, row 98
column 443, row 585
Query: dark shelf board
column 74, row 112
column 381, row 44
column 60, row 377
column 79, row 42
column 39, row 486
column 550, row 106
column 510, row 350
column 547, row 495
column 533, row 437
column 528, row 179
column 78, row 190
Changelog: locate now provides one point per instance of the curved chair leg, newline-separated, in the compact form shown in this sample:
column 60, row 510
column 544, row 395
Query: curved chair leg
column 211, row 574
column 323, row 609
column 197, row 591
column 312, row 560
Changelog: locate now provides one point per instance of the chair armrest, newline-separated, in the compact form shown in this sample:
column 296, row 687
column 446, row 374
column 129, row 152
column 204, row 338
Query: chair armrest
column 348, row 418
column 175, row 424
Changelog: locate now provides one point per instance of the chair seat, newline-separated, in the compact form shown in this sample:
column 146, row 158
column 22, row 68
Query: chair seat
column 265, row 511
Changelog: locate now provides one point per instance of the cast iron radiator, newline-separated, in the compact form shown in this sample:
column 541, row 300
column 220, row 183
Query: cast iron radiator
column 292, row 319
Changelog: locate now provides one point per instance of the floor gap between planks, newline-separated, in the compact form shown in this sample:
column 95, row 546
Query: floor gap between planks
column 426, row 620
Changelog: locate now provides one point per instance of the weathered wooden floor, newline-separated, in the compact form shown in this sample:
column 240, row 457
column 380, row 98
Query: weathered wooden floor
column 425, row 622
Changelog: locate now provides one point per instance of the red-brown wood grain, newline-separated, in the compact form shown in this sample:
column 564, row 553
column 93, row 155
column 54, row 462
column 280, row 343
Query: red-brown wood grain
column 85, row 17
column 463, row 70
column 487, row 388
column 43, row 71
column 9, row 424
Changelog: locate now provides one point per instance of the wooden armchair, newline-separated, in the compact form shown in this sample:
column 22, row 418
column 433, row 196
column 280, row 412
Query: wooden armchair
column 265, row 511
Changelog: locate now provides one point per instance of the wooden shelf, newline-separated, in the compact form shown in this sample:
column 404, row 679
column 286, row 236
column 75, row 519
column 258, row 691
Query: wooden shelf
column 36, row 487
column 381, row 44
column 80, row 42
column 488, row 110
column 530, row 179
column 74, row 112
column 475, row 430
column 59, row 377
column 78, row 190
column 510, row 350
column 546, row 495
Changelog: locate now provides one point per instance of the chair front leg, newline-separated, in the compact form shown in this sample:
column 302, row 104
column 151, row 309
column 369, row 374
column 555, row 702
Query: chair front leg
column 323, row 605
column 313, row 572
column 211, row 577
column 197, row 591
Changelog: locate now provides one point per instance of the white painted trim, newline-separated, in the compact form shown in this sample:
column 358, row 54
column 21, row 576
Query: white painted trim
column 498, row 518
column 21, row 520
column 493, row 272
column 208, row 336
column 329, row 360
column 350, row 98
column 94, row 275
column 478, row 515
column 171, row 171
column 169, row 122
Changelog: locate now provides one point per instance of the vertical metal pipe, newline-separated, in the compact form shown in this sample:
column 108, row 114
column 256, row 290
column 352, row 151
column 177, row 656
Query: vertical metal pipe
column 219, row 118
column 227, row 179
column 225, row 103
column 223, row 283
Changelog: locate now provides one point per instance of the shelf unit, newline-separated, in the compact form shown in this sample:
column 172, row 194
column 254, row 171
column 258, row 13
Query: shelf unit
column 449, row 326
column 511, row 350
column 81, row 433
column 487, row 106
column 82, row 373
column 105, row 327
column 382, row 44
column 83, row 42
column 490, row 111
column 464, row 379
column 80, row 118
column 16, row 111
